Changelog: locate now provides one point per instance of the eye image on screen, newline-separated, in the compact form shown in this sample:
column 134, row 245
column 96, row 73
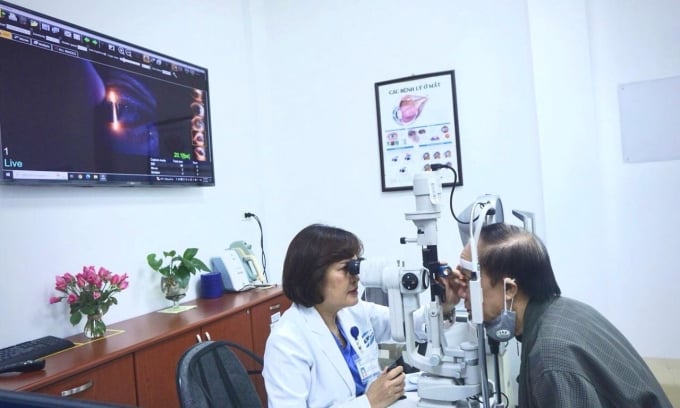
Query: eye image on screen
column 136, row 118
column 132, row 108
column 123, row 117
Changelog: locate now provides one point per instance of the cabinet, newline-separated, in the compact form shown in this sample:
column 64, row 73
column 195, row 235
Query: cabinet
column 136, row 363
column 262, row 317
column 156, row 365
column 111, row 382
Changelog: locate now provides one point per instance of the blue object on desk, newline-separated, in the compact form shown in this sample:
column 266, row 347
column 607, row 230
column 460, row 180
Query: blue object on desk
column 211, row 285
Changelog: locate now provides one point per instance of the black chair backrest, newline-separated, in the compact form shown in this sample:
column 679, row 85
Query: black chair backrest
column 209, row 374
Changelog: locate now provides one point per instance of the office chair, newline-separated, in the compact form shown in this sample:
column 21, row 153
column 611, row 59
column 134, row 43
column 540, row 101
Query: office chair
column 209, row 374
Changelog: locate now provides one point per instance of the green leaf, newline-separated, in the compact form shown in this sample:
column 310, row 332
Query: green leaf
column 89, row 309
column 165, row 271
column 75, row 318
column 198, row 264
column 180, row 266
column 154, row 263
column 190, row 253
column 186, row 266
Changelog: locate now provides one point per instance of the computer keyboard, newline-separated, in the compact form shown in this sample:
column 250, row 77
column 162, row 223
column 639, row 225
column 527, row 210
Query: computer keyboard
column 33, row 349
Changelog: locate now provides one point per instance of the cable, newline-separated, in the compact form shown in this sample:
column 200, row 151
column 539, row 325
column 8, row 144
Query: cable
column 437, row 166
column 264, row 258
column 494, row 348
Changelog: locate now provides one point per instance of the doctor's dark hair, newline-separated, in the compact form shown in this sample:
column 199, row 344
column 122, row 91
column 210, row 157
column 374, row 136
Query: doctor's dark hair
column 309, row 254
column 509, row 251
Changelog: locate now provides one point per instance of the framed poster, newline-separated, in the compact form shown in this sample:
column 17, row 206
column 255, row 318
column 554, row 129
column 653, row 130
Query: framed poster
column 417, row 127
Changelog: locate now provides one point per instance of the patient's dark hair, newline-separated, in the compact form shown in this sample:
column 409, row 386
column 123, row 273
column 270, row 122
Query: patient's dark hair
column 309, row 254
column 509, row 251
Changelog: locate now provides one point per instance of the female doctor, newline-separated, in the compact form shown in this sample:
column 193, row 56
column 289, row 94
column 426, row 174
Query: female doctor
column 323, row 352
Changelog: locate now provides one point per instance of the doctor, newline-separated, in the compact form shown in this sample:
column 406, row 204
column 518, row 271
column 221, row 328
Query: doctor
column 324, row 350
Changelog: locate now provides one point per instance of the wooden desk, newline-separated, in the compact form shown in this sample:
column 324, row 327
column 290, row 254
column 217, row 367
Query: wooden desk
column 136, row 362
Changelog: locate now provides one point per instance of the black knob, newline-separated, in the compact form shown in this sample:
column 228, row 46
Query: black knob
column 409, row 281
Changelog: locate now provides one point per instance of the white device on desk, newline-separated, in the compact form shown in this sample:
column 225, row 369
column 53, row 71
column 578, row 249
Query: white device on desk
column 239, row 268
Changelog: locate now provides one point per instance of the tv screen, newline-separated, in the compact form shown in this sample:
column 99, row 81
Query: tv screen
column 81, row 108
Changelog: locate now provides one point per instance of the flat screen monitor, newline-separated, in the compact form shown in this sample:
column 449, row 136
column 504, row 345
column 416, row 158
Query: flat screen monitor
column 78, row 107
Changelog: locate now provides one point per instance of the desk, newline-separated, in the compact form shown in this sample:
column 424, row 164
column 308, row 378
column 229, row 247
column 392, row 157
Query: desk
column 136, row 365
column 411, row 401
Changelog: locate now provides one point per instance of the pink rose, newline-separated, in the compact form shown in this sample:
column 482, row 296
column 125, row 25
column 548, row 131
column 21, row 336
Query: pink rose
column 61, row 284
column 96, row 295
column 104, row 273
column 90, row 276
column 55, row 299
column 72, row 298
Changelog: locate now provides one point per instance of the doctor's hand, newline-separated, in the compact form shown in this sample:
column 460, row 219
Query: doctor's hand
column 387, row 388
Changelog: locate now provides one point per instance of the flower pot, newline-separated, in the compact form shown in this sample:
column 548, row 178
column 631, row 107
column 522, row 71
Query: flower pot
column 174, row 289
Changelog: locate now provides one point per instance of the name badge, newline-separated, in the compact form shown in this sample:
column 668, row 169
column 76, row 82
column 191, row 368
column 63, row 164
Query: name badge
column 368, row 366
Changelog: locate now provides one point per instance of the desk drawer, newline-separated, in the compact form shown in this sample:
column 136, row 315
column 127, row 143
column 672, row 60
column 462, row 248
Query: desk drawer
column 112, row 382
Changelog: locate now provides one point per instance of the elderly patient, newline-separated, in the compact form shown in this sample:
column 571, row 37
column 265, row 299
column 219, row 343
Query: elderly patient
column 572, row 356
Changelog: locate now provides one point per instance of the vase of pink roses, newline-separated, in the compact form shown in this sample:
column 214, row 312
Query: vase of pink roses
column 89, row 293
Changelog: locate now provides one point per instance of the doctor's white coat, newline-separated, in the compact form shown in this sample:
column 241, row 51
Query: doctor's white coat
column 303, row 366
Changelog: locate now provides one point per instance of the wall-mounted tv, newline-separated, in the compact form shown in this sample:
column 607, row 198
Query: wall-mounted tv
column 82, row 108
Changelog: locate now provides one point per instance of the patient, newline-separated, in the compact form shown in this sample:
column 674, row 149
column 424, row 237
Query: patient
column 572, row 356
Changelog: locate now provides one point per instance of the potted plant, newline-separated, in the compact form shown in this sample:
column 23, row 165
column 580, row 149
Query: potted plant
column 176, row 271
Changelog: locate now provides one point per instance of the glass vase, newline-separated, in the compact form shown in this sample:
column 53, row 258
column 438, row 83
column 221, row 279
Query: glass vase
column 174, row 289
column 94, row 326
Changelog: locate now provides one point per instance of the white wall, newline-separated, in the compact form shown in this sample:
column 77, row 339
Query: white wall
column 643, row 241
column 611, row 226
column 535, row 81
column 318, row 67
column 295, row 133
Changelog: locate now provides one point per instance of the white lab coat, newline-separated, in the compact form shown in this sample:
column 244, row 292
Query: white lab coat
column 303, row 366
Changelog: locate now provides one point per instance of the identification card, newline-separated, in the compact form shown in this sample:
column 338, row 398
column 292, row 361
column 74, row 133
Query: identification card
column 368, row 366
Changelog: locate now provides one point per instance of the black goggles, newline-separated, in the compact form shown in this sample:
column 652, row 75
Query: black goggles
column 354, row 265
